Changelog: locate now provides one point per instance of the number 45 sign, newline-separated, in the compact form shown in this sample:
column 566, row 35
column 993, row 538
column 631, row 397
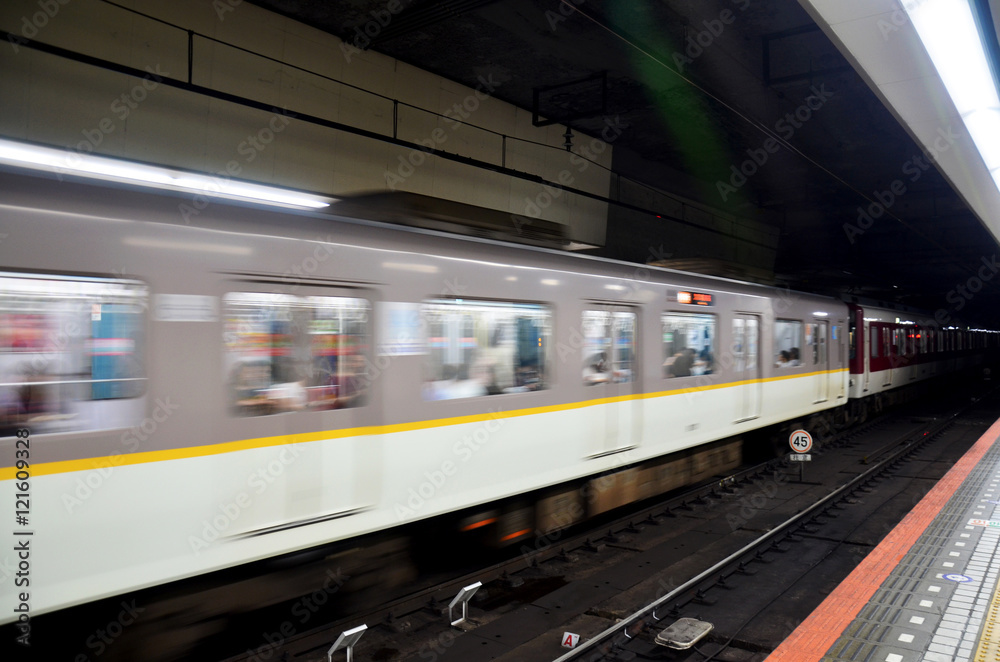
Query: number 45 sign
column 800, row 441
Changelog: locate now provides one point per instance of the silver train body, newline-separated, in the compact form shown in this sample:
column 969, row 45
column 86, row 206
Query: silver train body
column 208, row 391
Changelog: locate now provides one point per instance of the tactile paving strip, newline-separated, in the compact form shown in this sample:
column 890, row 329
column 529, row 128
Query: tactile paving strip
column 942, row 592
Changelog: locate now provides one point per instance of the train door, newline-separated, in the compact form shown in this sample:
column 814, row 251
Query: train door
column 746, row 364
column 298, row 367
column 837, row 340
column 611, row 374
column 821, row 360
column 891, row 347
column 871, row 336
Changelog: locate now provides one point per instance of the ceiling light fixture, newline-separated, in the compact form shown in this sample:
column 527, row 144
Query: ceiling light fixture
column 68, row 162
column 949, row 33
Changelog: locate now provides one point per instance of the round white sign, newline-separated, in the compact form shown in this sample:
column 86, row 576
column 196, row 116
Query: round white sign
column 800, row 441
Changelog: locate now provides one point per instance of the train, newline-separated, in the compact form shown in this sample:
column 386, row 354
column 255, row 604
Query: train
column 198, row 393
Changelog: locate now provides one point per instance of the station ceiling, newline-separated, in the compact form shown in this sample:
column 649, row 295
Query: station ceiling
column 745, row 105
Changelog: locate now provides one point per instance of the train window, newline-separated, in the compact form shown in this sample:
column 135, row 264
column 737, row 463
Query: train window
column 876, row 346
column 71, row 353
column 839, row 345
column 787, row 343
column 289, row 353
column 485, row 348
column 608, row 347
column 745, row 343
column 816, row 342
column 688, row 344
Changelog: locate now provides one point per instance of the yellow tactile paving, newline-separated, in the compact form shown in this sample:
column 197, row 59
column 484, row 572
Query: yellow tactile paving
column 988, row 649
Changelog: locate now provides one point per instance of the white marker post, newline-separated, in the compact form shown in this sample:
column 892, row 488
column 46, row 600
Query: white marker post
column 801, row 442
column 346, row 640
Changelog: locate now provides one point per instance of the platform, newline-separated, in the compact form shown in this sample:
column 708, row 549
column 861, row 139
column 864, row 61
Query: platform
column 929, row 590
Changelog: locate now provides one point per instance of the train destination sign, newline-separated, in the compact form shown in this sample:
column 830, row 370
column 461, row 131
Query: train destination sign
column 695, row 298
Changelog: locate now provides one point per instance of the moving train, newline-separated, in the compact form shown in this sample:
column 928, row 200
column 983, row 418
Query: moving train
column 210, row 390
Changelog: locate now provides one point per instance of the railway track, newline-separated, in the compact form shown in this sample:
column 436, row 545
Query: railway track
column 777, row 539
column 706, row 540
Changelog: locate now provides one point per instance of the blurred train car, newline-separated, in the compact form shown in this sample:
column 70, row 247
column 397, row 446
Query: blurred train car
column 893, row 349
column 245, row 383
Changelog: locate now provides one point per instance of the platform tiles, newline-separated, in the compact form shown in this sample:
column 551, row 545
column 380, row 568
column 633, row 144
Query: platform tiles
column 929, row 591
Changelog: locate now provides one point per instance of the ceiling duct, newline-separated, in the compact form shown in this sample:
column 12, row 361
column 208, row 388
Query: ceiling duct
column 429, row 213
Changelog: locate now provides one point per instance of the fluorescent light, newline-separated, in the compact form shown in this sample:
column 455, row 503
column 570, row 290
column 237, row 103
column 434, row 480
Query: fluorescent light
column 984, row 127
column 948, row 31
column 68, row 162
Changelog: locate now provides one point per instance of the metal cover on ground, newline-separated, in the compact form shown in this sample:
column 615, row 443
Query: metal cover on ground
column 684, row 633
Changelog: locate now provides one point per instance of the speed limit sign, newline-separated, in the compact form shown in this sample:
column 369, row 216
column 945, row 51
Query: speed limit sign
column 800, row 441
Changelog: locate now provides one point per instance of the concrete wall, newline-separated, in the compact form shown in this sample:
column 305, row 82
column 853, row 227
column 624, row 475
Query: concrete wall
column 57, row 101
column 685, row 229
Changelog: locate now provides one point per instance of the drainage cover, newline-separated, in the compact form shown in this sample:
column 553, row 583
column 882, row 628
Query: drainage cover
column 684, row 633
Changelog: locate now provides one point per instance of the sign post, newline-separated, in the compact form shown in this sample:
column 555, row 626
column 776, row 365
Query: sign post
column 801, row 442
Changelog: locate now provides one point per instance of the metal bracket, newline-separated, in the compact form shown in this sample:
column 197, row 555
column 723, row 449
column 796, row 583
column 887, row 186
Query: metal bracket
column 346, row 640
column 463, row 597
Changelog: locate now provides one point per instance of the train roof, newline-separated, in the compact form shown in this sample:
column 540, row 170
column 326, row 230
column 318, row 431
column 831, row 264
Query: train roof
column 77, row 195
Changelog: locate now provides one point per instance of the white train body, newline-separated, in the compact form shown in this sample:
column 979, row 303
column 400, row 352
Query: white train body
column 170, row 481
